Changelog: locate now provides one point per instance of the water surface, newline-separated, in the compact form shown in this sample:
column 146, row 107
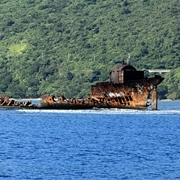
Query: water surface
column 91, row 144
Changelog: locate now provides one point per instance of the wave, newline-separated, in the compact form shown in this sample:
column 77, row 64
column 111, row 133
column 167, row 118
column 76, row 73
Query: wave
column 103, row 111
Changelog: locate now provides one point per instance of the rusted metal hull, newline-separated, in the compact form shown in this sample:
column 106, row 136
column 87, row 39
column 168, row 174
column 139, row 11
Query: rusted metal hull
column 133, row 94
column 7, row 103
column 127, row 89
column 49, row 102
column 130, row 95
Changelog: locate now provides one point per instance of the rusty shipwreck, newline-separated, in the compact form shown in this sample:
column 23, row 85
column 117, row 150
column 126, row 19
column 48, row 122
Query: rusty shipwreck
column 127, row 88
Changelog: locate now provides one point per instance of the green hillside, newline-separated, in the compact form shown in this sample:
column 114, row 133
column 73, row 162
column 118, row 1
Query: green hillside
column 64, row 46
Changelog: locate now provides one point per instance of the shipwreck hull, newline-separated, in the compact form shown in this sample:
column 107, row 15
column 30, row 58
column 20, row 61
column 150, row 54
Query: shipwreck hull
column 64, row 106
column 132, row 94
column 129, row 95
column 49, row 102
column 127, row 89
column 7, row 103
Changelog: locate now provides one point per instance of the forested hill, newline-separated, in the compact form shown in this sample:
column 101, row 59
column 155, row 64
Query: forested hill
column 64, row 46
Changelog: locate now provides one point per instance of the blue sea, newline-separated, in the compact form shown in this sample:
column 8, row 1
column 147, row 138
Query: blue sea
column 105, row 144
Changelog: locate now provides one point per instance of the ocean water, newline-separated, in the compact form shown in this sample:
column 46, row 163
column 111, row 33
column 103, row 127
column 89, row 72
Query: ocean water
column 91, row 144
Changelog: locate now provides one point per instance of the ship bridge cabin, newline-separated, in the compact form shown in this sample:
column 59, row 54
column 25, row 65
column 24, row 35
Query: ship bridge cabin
column 125, row 72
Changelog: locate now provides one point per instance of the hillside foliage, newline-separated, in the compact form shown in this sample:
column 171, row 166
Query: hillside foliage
column 63, row 46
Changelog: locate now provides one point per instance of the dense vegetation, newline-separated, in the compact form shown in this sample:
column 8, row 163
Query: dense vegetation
column 64, row 46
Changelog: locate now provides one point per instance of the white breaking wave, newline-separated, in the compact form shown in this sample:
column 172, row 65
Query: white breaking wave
column 103, row 111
